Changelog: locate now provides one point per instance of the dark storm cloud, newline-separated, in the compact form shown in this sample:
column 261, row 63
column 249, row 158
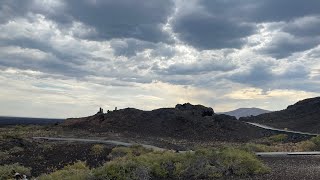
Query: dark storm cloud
column 305, row 26
column 49, row 64
column 201, row 67
column 295, row 72
column 129, row 47
column 134, row 26
column 257, row 75
column 44, row 46
column 12, row 8
column 226, row 24
column 280, row 10
column 284, row 46
column 138, row 19
column 261, row 75
column 205, row 31
column 163, row 50
column 213, row 25
column 295, row 36
column 263, row 10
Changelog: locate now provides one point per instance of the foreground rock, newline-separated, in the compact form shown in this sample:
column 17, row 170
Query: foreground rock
column 302, row 116
column 184, row 121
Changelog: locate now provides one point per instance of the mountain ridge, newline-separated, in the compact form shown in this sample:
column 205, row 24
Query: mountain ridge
column 244, row 112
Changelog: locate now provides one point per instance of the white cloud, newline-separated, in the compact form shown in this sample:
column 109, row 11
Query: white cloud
column 54, row 64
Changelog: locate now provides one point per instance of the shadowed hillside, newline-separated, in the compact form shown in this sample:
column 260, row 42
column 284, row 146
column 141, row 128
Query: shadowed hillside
column 302, row 116
column 184, row 121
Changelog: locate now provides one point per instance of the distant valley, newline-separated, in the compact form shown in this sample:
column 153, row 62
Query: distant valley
column 7, row 120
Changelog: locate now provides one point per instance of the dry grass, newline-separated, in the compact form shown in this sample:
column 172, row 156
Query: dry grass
column 97, row 149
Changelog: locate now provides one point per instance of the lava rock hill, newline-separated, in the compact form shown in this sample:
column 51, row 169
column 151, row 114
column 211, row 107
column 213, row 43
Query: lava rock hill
column 302, row 116
column 184, row 121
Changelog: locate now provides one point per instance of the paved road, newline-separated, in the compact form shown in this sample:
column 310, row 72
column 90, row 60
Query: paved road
column 261, row 154
column 274, row 154
column 291, row 168
column 281, row 130
column 99, row 141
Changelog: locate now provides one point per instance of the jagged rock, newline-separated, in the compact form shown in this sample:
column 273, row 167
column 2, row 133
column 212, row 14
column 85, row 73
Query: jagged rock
column 195, row 109
column 100, row 111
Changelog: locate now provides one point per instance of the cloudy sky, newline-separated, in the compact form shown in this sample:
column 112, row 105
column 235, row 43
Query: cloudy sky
column 67, row 58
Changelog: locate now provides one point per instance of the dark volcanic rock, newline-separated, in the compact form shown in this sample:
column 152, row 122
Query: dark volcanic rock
column 302, row 116
column 195, row 109
column 184, row 121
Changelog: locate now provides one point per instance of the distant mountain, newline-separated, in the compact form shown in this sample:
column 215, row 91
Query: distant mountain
column 194, row 122
column 244, row 112
column 7, row 120
column 301, row 116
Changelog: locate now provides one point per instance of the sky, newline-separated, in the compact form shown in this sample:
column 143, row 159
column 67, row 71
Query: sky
column 64, row 59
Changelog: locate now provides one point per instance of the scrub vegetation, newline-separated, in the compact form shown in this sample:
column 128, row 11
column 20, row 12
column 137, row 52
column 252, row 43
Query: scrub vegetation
column 6, row 170
column 140, row 163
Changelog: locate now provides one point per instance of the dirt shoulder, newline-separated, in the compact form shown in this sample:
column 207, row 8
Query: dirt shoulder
column 290, row 167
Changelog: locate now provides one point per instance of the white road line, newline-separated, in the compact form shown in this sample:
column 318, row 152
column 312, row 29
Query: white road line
column 271, row 154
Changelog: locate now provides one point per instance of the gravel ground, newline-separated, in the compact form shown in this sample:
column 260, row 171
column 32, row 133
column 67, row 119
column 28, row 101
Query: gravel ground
column 291, row 168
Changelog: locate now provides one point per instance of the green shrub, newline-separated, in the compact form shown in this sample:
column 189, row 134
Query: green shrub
column 122, row 169
column 97, row 149
column 306, row 146
column 251, row 147
column 199, row 165
column 278, row 138
column 309, row 145
column 47, row 147
column 139, row 163
column 161, row 164
column 141, row 166
column 11, row 135
column 15, row 150
column 240, row 162
column 316, row 141
column 4, row 155
column 121, row 151
column 77, row 171
column 6, row 171
column 202, row 164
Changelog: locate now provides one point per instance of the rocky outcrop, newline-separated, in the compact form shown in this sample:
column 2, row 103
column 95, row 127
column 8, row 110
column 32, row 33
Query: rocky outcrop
column 185, row 121
column 100, row 111
column 197, row 110
column 301, row 116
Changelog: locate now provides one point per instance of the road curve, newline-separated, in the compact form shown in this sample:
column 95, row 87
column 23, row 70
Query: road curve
column 281, row 130
column 263, row 154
